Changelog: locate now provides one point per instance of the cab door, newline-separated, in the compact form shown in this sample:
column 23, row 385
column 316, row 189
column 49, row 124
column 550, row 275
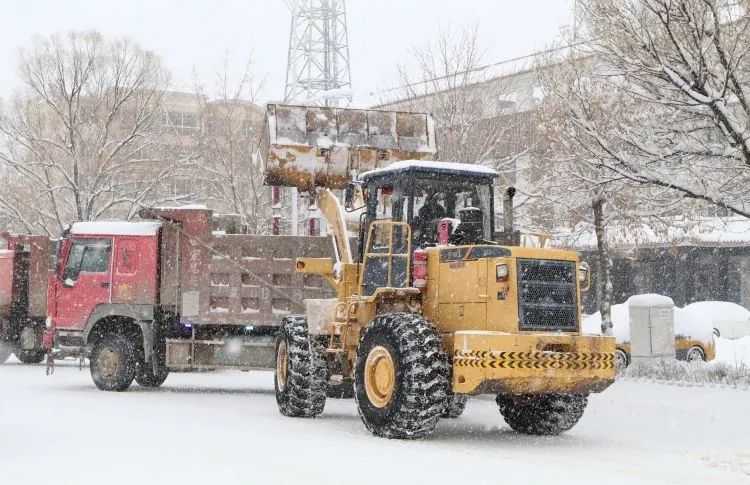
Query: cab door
column 386, row 257
column 85, row 281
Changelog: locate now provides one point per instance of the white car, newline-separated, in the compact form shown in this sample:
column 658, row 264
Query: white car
column 729, row 320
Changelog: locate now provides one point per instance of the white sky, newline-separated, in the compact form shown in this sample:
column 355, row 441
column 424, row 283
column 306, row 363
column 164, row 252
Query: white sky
column 197, row 36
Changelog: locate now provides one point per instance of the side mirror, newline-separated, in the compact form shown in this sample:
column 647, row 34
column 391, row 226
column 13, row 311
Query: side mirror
column 717, row 332
column 68, row 283
column 584, row 276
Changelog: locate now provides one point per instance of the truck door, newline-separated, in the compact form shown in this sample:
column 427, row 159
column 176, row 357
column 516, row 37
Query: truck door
column 85, row 282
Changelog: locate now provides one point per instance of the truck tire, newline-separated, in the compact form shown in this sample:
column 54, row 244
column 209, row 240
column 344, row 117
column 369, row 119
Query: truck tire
column 695, row 354
column 5, row 351
column 455, row 406
column 301, row 374
column 401, row 377
column 113, row 363
column 621, row 361
column 145, row 376
column 546, row 414
column 30, row 356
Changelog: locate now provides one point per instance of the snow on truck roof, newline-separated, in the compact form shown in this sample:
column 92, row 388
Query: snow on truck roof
column 115, row 228
column 432, row 166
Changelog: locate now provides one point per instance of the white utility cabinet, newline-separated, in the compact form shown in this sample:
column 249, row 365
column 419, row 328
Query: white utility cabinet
column 651, row 327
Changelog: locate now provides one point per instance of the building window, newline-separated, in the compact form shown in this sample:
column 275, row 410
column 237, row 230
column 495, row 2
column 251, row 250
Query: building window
column 313, row 226
column 181, row 120
column 276, row 196
column 276, row 226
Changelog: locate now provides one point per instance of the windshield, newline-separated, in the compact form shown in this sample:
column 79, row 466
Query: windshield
column 465, row 203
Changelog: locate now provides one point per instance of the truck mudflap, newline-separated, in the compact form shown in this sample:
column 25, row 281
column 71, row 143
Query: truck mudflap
column 501, row 363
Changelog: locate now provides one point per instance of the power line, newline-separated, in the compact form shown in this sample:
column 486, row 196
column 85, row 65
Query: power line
column 482, row 68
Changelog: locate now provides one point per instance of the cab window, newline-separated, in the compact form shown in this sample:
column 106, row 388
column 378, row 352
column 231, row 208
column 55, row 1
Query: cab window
column 87, row 256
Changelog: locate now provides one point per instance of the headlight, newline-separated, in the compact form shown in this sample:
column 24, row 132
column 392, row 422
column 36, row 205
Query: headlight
column 583, row 272
column 501, row 272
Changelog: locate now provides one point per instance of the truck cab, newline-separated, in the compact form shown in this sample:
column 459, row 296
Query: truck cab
column 103, row 270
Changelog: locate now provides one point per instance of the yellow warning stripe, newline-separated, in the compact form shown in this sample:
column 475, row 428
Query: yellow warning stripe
column 485, row 359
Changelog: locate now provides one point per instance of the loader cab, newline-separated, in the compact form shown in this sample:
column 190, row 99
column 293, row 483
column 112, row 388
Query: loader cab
column 417, row 204
column 440, row 202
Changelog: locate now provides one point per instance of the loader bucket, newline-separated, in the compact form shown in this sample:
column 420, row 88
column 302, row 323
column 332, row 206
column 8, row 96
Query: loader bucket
column 312, row 146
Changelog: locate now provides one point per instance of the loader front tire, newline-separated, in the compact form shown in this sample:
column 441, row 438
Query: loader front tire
column 301, row 374
column 113, row 363
column 546, row 414
column 455, row 406
column 401, row 377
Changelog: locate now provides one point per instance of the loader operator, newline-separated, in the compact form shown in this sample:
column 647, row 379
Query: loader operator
column 431, row 211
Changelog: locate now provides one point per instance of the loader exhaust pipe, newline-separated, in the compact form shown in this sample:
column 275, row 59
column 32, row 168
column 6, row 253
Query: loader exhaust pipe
column 508, row 211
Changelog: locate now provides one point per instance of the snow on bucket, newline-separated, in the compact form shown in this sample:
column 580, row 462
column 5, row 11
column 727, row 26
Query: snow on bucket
column 313, row 146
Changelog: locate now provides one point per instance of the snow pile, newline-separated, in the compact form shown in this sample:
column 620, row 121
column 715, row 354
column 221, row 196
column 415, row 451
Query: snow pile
column 431, row 165
column 116, row 228
column 731, row 319
column 733, row 352
column 692, row 372
column 695, row 321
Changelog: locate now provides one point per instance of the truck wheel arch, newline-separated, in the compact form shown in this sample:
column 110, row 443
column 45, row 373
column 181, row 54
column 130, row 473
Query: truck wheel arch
column 122, row 319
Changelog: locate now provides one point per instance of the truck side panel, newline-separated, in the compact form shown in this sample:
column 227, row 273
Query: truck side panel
column 252, row 279
column 38, row 249
column 6, row 282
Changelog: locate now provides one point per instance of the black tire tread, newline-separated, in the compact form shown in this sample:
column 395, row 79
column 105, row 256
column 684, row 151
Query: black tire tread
column 544, row 415
column 307, row 372
column 124, row 345
column 145, row 376
column 423, row 384
column 455, row 406
column 30, row 356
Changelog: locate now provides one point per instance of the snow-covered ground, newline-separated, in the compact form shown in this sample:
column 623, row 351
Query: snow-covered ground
column 224, row 428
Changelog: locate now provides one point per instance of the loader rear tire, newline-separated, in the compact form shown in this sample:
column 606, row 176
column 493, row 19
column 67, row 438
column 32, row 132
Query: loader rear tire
column 455, row 406
column 113, row 363
column 546, row 414
column 401, row 377
column 301, row 374
column 30, row 356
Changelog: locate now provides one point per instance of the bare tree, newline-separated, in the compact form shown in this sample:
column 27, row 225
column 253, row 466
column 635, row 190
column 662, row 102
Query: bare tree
column 476, row 116
column 572, row 179
column 680, row 69
column 81, row 141
column 231, row 177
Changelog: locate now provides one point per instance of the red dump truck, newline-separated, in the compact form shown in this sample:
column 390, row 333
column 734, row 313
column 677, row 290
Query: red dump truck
column 24, row 265
column 141, row 298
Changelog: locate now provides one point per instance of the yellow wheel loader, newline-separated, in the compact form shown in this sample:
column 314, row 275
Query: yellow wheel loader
column 429, row 309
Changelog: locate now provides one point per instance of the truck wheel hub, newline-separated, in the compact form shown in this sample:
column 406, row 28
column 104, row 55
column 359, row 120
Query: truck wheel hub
column 108, row 362
column 281, row 365
column 380, row 376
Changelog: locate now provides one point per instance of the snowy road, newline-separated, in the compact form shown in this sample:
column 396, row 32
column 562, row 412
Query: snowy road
column 224, row 428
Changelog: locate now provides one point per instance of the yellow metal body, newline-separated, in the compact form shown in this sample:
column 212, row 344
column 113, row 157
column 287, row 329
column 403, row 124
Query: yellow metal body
column 476, row 315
